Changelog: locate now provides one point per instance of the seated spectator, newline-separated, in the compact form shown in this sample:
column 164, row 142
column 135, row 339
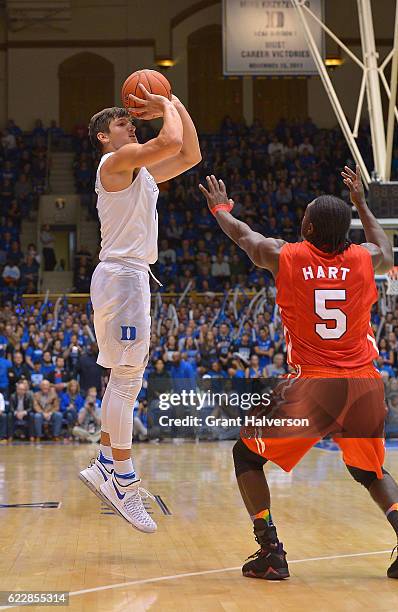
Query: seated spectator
column 88, row 426
column 60, row 375
column 47, row 365
column 159, row 381
column 392, row 416
column 5, row 365
column 182, row 374
column 20, row 411
column 23, row 187
column 29, row 271
column 34, row 350
column 83, row 176
column 72, row 353
column 46, row 412
column 275, row 148
column 56, row 132
column 243, row 348
column 215, row 370
column 15, row 255
column 140, row 421
column 88, row 370
column 264, row 347
column 220, row 268
column 166, row 254
column 39, row 130
column 277, row 367
column 11, row 274
column 4, row 421
column 384, row 368
column 18, row 371
column 254, row 370
column 83, row 280
column 8, row 141
column 36, row 376
column 32, row 251
column 71, row 402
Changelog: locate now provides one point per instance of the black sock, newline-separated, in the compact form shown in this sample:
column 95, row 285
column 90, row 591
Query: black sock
column 265, row 534
column 392, row 517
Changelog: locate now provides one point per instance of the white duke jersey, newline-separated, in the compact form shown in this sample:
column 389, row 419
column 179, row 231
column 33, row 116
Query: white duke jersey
column 129, row 220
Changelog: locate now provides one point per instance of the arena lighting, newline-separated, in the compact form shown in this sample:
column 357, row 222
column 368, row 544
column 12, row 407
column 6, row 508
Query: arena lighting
column 334, row 62
column 164, row 62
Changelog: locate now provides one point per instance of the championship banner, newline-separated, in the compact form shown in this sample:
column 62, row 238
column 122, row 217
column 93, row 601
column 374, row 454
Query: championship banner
column 265, row 37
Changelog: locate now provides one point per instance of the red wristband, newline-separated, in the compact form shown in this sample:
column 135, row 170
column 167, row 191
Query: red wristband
column 227, row 206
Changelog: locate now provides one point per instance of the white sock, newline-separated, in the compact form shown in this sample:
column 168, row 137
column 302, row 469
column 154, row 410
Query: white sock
column 105, row 458
column 106, row 451
column 124, row 472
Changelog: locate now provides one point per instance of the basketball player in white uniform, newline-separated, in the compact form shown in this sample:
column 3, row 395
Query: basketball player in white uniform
column 126, row 185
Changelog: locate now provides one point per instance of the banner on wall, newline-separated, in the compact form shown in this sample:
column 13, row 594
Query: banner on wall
column 265, row 37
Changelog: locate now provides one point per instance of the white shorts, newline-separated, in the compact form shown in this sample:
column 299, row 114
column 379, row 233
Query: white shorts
column 121, row 300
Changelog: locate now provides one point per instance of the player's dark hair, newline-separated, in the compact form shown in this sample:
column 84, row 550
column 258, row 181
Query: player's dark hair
column 331, row 219
column 100, row 123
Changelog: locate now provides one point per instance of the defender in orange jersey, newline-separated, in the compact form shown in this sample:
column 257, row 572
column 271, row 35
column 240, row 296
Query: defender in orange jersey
column 325, row 290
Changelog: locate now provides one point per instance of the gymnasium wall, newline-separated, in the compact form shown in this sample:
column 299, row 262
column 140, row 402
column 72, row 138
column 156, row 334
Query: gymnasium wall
column 132, row 33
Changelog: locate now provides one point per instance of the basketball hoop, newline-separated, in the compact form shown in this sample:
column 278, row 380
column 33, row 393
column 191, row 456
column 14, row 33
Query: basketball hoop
column 392, row 281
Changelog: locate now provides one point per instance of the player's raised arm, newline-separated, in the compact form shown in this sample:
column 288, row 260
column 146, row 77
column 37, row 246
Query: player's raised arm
column 378, row 243
column 264, row 252
column 187, row 157
column 167, row 143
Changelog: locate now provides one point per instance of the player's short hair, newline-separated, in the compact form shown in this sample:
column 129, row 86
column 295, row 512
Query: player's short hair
column 100, row 123
column 331, row 219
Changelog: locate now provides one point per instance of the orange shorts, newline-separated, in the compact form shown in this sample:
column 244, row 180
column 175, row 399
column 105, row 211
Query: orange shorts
column 366, row 453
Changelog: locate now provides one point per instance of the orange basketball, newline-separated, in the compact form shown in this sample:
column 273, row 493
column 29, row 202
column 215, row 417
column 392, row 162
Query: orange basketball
column 152, row 80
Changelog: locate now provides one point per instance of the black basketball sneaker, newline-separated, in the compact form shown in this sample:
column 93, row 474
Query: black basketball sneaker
column 269, row 562
column 392, row 571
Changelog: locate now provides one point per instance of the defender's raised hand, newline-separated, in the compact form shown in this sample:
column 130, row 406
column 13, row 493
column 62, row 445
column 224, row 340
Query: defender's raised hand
column 353, row 180
column 216, row 195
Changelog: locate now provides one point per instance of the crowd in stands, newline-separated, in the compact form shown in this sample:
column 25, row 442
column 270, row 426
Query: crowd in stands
column 49, row 381
column 51, row 385
column 23, row 171
column 270, row 175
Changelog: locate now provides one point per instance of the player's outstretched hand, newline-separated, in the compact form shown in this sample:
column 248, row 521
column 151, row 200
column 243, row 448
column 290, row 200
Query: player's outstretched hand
column 353, row 180
column 149, row 108
column 216, row 193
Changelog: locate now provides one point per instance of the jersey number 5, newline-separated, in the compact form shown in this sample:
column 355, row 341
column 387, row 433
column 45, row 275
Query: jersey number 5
column 330, row 314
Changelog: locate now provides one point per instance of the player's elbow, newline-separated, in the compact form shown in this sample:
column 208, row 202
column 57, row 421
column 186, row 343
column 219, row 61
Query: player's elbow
column 193, row 159
column 386, row 262
column 250, row 249
column 171, row 145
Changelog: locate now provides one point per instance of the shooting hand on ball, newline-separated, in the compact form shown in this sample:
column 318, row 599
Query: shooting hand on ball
column 151, row 107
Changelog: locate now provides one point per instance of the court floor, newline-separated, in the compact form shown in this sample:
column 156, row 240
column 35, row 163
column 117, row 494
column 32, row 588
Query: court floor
column 337, row 540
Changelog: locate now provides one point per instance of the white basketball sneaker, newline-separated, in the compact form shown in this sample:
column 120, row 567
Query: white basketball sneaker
column 94, row 476
column 127, row 501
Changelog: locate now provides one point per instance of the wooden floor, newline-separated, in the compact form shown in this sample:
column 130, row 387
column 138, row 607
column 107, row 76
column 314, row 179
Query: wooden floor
column 337, row 540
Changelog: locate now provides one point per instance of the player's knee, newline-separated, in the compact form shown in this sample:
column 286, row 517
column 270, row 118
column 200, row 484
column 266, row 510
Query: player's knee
column 364, row 477
column 126, row 381
column 245, row 460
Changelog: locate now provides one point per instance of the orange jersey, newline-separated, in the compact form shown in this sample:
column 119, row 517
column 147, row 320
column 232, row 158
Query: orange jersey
column 325, row 302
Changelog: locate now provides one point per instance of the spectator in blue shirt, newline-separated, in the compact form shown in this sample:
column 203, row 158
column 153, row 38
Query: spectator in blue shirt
column 34, row 352
column 71, row 402
column 37, row 376
column 47, row 365
column 5, row 365
column 182, row 373
column 264, row 347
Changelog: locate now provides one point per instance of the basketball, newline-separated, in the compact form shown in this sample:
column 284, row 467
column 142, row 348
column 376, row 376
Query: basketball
column 153, row 81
